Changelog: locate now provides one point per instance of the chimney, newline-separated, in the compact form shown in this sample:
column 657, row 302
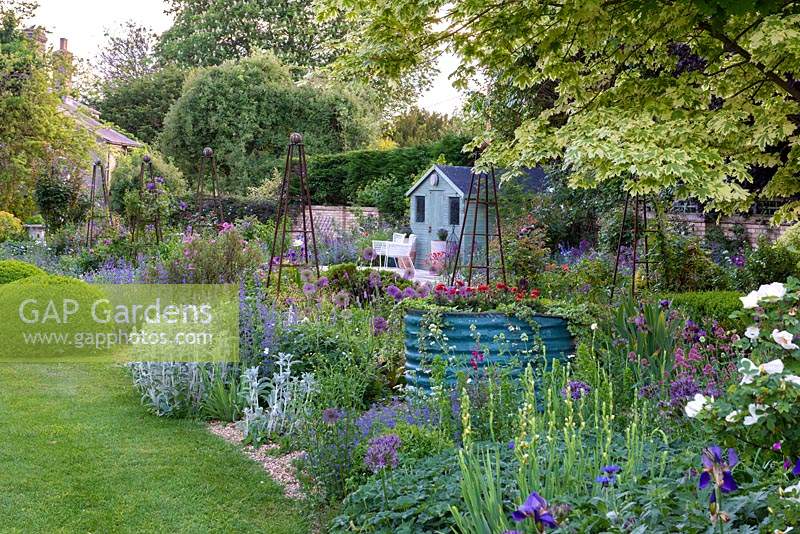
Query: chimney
column 62, row 77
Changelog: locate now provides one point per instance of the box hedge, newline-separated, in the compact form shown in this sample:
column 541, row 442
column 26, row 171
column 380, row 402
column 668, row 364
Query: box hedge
column 717, row 305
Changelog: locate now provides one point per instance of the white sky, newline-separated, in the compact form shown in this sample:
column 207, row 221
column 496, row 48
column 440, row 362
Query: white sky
column 83, row 22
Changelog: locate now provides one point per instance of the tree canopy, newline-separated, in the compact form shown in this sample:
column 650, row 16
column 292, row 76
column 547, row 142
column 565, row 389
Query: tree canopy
column 209, row 32
column 139, row 106
column 245, row 110
column 691, row 96
column 34, row 134
column 127, row 55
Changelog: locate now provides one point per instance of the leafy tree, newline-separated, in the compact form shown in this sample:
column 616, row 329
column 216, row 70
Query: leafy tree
column 418, row 126
column 686, row 95
column 34, row 134
column 245, row 110
column 140, row 105
column 127, row 54
column 209, row 32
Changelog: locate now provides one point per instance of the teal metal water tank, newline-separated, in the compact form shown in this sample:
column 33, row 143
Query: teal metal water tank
column 503, row 337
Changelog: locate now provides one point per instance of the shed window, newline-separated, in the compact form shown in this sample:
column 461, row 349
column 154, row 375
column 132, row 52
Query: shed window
column 419, row 208
column 455, row 211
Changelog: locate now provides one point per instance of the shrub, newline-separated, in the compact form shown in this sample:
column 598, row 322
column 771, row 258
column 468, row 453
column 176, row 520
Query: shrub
column 718, row 305
column 10, row 226
column 420, row 442
column 685, row 266
column 59, row 201
column 526, row 253
column 766, row 263
column 337, row 178
column 139, row 106
column 12, row 270
column 125, row 177
column 246, row 109
column 388, row 194
column 791, row 237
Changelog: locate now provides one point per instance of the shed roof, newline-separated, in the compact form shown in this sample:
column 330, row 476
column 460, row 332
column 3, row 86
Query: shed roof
column 459, row 177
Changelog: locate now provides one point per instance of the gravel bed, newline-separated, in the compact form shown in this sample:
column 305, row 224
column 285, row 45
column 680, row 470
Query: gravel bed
column 279, row 467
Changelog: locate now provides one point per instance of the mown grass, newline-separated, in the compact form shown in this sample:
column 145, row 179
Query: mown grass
column 78, row 453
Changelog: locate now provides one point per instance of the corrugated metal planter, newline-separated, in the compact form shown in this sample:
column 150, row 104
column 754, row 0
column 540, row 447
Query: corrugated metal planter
column 505, row 336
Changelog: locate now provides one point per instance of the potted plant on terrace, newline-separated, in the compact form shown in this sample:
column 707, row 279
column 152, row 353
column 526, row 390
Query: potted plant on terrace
column 461, row 326
column 439, row 245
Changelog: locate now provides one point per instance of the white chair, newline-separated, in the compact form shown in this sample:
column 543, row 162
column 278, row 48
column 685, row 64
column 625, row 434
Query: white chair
column 399, row 248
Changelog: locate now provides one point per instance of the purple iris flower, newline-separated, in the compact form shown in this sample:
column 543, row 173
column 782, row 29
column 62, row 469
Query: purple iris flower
column 577, row 389
column 718, row 469
column 511, row 445
column 536, row 507
column 796, row 470
column 664, row 303
column 640, row 322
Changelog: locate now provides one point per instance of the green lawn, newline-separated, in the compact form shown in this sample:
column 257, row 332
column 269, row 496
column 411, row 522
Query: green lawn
column 78, row 453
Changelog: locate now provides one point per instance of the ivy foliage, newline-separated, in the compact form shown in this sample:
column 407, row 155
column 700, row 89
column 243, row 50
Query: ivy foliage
column 682, row 95
column 245, row 110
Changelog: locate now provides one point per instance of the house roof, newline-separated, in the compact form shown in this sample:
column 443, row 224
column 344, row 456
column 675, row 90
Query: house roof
column 459, row 178
column 88, row 118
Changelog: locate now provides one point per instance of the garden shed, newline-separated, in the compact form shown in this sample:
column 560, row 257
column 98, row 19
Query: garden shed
column 438, row 200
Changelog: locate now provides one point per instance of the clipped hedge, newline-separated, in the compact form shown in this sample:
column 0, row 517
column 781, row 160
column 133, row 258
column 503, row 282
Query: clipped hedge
column 13, row 270
column 717, row 305
column 233, row 207
column 337, row 178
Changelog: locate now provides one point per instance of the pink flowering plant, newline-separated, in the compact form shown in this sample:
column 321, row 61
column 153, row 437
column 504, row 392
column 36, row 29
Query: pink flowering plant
column 760, row 407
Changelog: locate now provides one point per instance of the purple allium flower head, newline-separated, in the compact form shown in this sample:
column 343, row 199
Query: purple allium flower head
column 151, row 186
column 374, row 279
column 394, row 292
column 341, row 299
column 331, row 415
column 306, row 275
column 577, row 389
column 408, row 273
column 322, row 282
column 536, row 507
column 379, row 325
column 409, row 293
column 159, row 179
column 309, row 289
column 718, row 469
column 368, row 254
column 382, row 453
column 182, row 205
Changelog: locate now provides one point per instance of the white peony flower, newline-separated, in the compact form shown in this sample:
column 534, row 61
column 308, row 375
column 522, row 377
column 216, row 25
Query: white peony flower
column 750, row 300
column 792, row 379
column 771, row 368
column 784, row 339
column 752, row 332
column 754, row 416
column 733, row 416
column 694, row 407
column 775, row 291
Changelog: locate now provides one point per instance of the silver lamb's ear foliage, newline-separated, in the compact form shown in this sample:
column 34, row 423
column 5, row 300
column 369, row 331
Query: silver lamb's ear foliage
column 171, row 388
column 283, row 408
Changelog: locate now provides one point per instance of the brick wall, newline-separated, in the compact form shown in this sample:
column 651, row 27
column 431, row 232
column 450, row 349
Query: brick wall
column 330, row 220
column 754, row 226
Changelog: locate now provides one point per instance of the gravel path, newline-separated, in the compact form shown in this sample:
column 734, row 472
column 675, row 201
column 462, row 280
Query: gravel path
column 279, row 467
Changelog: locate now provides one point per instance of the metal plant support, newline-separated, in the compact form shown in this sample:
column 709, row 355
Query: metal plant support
column 484, row 187
column 97, row 170
column 139, row 223
column 208, row 155
column 295, row 167
column 639, row 205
